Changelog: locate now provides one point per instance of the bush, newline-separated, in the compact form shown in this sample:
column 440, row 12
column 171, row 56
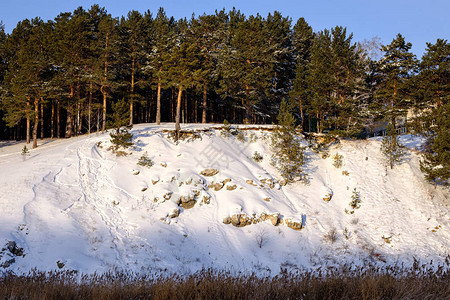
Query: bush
column 356, row 200
column 338, row 160
column 145, row 161
column 257, row 156
column 288, row 155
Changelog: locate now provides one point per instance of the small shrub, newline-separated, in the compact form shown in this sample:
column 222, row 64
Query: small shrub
column 257, row 156
column 338, row 160
column 240, row 136
column 261, row 238
column 25, row 150
column 356, row 199
column 145, row 161
column 253, row 137
column 331, row 236
column 346, row 233
column 387, row 239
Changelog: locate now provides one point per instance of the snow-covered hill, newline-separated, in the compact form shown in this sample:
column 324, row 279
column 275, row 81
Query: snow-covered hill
column 73, row 205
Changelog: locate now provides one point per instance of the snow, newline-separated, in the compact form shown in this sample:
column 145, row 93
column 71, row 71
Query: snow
column 74, row 202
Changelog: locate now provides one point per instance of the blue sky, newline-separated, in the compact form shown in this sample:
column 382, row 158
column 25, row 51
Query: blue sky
column 419, row 21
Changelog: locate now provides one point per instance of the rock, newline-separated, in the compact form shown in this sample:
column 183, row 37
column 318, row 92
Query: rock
column 235, row 219
column 275, row 219
column 226, row 181
column 283, row 182
column 231, row 187
column 14, row 249
column 218, row 186
column 296, row 225
column 189, row 181
column 187, row 202
column 136, row 172
column 60, row 264
column 227, row 220
column 155, row 181
column 209, row 172
column 328, row 197
column 206, row 199
column 263, row 216
column 168, row 195
column 267, row 199
column 175, row 213
column 143, row 189
column 269, row 182
column 249, row 181
column 163, row 165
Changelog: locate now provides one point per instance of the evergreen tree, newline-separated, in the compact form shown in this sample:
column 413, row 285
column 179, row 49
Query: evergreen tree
column 320, row 78
column 436, row 160
column 302, row 41
column 391, row 148
column 183, row 67
column 120, row 120
column 433, row 94
column 163, row 40
column 394, row 70
column 288, row 155
column 133, row 42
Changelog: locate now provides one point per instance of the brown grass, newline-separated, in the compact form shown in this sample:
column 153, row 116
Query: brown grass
column 345, row 283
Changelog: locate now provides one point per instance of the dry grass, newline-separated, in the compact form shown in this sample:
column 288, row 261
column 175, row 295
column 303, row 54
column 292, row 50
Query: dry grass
column 345, row 283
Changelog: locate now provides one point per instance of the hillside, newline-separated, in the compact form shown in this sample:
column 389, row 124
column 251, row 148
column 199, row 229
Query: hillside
column 73, row 205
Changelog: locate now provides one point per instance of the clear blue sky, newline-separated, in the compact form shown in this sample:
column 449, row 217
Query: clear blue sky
column 420, row 21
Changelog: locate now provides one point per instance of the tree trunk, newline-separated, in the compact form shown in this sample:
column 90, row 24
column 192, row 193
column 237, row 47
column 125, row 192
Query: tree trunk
column 204, row 105
column 177, row 118
column 42, row 119
column 102, row 89
column 28, row 123
column 90, row 108
column 52, row 121
column 158, row 103
column 58, row 123
column 36, row 121
column 132, row 89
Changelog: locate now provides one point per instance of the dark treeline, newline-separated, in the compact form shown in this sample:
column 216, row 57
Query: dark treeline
column 60, row 78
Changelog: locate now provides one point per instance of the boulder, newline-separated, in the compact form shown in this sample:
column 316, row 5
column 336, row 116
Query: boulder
column 227, row 220
column 187, row 202
column 209, row 172
column 275, row 219
column 226, row 181
column 294, row 224
column 249, row 181
column 175, row 213
column 218, row 186
column 231, row 187
column 14, row 249
column 328, row 197
column 267, row 199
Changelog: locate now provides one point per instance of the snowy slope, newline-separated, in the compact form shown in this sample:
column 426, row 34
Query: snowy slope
column 72, row 204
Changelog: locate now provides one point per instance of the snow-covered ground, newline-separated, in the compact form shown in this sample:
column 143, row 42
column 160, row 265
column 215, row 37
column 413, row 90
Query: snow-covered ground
column 72, row 204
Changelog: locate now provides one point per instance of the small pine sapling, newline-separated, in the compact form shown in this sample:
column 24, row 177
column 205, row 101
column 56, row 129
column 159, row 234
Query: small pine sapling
column 257, row 156
column 391, row 148
column 145, row 161
column 121, row 138
column 25, row 150
column 288, row 154
column 356, row 199
column 338, row 160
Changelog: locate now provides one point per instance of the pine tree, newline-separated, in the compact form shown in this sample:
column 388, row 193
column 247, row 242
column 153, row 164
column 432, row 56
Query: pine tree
column 436, row 160
column 183, row 67
column 394, row 70
column 288, row 155
column 392, row 150
column 302, row 40
column 120, row 120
